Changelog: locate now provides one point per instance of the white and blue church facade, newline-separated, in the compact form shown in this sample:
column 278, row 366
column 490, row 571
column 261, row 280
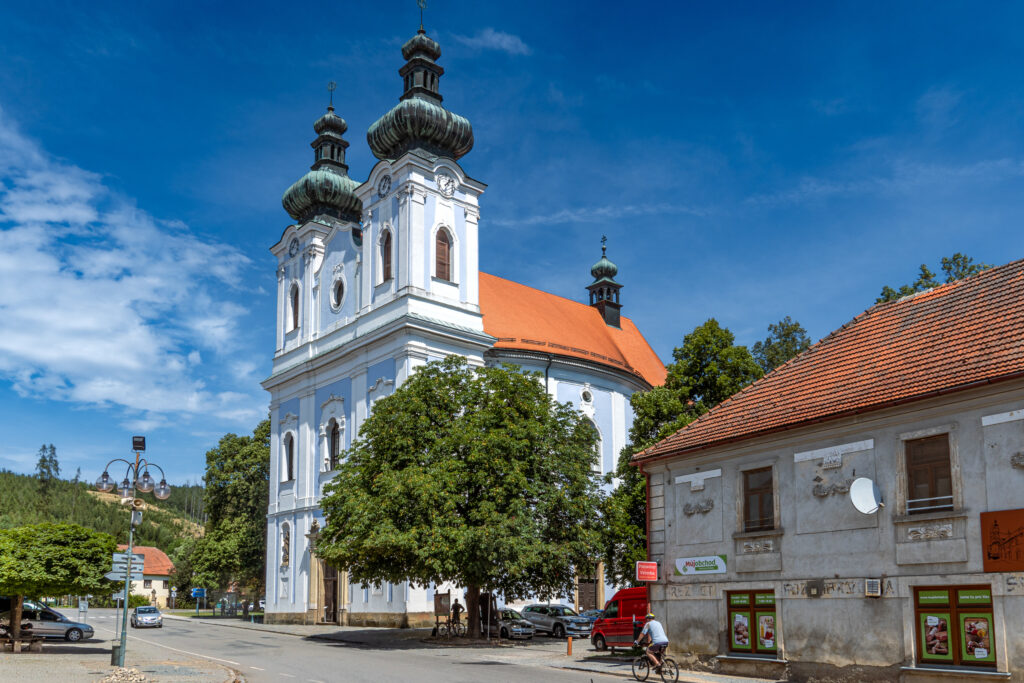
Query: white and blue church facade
column 380, row 277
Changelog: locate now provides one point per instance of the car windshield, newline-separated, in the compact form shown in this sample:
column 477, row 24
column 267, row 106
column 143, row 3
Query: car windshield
column 511, row 614
column 564, row 611
column 145, row 610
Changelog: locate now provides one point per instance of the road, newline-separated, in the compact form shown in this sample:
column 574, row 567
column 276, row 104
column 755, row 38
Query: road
column 261, row 656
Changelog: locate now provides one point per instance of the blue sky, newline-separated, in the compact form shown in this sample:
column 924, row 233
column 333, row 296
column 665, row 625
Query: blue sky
column 747, row 162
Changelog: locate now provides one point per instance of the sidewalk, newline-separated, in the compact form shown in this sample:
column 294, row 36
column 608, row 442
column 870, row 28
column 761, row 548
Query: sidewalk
column 541, row 652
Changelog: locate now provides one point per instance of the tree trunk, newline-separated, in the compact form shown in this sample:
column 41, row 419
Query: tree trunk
column 473, row 610
column 16, row 619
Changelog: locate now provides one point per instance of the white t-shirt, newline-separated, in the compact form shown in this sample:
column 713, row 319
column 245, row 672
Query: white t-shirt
column 656, row 631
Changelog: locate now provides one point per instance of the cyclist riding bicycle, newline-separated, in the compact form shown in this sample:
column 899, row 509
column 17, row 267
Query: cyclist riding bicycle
column 659, row 641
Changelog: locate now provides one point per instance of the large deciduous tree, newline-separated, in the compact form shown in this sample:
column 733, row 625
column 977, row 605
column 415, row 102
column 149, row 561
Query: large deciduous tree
column 786, row 339
column 956, row 267
column 707, row 369
column 469, row 475
column 51, row 559
column 234, row 546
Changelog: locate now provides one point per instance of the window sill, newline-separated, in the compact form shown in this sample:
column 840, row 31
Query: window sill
column 955, row 672
column 435, row 278
column 758, row 534
column 928, row 516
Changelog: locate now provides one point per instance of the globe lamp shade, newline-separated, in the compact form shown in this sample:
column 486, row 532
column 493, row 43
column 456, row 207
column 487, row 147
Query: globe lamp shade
column 126, row 488
column 104, row 483
column 145, row 482
column 162, row 491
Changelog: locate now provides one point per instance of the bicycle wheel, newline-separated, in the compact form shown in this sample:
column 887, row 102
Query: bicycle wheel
column 442, row 630
column 641, row 668
column 669, row 670
column 460, row 630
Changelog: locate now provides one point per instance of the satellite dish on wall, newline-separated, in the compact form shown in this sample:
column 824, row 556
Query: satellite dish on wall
column 865, row 496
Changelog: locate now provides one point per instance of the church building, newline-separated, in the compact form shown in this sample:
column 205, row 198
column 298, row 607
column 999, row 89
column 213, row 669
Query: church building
column 380, row 277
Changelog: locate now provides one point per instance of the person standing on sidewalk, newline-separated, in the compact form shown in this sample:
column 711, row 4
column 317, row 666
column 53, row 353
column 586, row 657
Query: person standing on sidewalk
column 456, row 611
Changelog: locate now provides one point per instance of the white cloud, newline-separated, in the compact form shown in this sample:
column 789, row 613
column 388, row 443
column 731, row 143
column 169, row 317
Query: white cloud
column 599, row 213
column 102, row 304
column 489, row 39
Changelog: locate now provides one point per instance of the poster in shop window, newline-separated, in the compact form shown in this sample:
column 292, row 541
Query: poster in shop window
column 741, row 630
column 766, row 630
column 935, row 636
column 975, row 638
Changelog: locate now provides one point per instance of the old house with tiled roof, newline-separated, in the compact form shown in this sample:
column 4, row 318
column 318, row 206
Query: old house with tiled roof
column 380, row 277
column 156, row 575
column 767, row 564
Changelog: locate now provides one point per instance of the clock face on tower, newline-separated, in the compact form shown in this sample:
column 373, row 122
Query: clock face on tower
column 293, row 247
column 384, row 186
column 446, row 184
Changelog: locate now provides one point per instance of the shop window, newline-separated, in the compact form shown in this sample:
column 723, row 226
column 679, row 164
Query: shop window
column 758, row 500
column 752, row 622
column 954, row 625
column 929, row 476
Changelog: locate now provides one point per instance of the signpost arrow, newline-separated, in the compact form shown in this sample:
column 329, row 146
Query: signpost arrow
column 120, row 576
column 123, row 557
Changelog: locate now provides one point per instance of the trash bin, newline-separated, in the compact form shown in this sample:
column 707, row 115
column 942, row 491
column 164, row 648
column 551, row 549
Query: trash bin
column 115, row 653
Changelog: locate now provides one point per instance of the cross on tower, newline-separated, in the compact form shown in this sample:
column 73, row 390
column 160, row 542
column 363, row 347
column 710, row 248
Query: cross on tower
column 422, row 5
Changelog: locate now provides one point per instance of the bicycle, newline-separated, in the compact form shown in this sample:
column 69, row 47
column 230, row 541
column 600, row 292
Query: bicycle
column 669, row 670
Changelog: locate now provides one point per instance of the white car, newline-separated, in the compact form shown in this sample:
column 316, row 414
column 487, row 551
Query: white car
column 146, row 616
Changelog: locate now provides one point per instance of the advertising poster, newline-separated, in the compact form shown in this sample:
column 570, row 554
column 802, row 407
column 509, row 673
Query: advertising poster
column 766, row 630
column 707, row 564
column 1002, row 541
column 740, row 631
column 975, row 638
column 935, row 643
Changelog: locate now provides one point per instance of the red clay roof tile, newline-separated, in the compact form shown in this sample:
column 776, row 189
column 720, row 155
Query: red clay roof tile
column 522, row 317
column 156, row 564
column 944, row 339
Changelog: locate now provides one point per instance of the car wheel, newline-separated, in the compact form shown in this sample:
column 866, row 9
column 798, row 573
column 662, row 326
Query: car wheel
column 599, row 643
column 73, row 635
column 559, row 631
column 504, row 633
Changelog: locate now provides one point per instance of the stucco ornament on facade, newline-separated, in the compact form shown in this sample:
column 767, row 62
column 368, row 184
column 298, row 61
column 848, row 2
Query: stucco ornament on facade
column 759, row 546
column 1017, row 460
column 824, row 489
column 930, row 532
column 703, row 507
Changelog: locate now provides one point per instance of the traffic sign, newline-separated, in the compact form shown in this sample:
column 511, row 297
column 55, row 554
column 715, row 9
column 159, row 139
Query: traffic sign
column 118, row 567
column 120, row 575
column 123, row 557
column 198, row 592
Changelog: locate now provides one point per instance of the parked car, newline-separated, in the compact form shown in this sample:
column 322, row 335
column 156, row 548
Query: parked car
column 558, row 620
column 47, row 622
column 623, row 615
column 147, row 616
column 513, row 625
column 592, row 614
column 263, row 603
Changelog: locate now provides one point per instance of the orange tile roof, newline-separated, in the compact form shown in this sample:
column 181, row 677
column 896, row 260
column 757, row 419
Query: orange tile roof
column 525, row 318
column 956, row 336
column 156, row 564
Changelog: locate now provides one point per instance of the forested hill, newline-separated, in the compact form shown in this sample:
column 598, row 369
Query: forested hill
column 25, row 499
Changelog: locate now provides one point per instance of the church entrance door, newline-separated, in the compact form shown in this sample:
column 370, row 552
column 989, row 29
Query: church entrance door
column 330, row 594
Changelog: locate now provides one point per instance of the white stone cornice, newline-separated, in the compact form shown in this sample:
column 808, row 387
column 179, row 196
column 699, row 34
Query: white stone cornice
column 697, row 479
column 832, row 455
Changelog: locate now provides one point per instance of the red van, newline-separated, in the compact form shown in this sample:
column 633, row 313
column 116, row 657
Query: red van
column 622, row 613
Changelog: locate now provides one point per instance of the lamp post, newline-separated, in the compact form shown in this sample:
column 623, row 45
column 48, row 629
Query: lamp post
column 136, row 478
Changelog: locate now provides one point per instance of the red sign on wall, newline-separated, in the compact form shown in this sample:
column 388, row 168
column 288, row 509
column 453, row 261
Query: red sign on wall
column 646, row 571
column 1002, row 535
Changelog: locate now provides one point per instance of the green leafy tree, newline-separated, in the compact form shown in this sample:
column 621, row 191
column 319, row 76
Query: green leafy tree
column 786, row 339
column 955, row 267
column 234, row 547
column 469, row 475
column 51, row 559
column 707, row 369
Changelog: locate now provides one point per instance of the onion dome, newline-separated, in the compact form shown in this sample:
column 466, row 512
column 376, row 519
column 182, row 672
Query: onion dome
column 326, row 189
column 418, row 121
column 604, row 269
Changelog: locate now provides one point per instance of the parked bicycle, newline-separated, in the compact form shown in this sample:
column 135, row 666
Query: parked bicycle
column 667, row 668
column 448, row 627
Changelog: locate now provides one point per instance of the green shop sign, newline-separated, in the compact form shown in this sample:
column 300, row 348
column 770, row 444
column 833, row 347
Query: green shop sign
column 764, row 599
column 933, row 597
column 739, row 600
column 708, row 564
column 974, row 596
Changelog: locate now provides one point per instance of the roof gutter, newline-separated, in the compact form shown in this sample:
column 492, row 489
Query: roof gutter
column 828, row 418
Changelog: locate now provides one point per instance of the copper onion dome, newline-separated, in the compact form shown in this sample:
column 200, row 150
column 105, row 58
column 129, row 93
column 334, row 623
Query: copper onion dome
column 326, row 189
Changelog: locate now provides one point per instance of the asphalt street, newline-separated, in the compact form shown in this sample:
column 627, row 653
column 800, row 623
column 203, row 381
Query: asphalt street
column 261, row 656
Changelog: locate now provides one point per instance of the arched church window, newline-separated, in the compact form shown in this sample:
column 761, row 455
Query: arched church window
column 289, row 458
column 338, row 293
column 335, row 444
column 443, row 255
column 385, row 256
column 294, row 300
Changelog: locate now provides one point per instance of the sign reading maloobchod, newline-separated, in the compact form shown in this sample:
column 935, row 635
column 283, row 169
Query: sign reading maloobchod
column 695, row 566
column 646, row 571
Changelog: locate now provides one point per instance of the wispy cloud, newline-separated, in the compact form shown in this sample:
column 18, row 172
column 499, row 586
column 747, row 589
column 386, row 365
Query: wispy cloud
column 600, row 213
column 101, row 303
column 489, row 39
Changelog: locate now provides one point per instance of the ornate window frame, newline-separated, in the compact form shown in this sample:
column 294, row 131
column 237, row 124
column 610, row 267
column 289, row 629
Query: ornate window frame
column 453, row 253
column 293, row 317
column 338, row 278
column 289, row 430
column 332, row 411
column 386, row 234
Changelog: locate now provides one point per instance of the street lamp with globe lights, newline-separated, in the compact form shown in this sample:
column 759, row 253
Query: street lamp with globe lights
column 136, row 478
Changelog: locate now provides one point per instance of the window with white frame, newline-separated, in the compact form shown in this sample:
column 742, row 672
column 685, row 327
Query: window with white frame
column 443, row 251
column 929, row 474
column 288, row 458
column 385, row 255
column 293, row 307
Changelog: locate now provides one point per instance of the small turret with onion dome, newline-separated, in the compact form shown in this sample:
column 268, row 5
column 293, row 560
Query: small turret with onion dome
column 418, row 122
column 604, row 290
column 326, row 189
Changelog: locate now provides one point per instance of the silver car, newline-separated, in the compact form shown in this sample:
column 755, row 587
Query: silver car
column 558, row 620
column 48, row 623
column 513, row 625
column 146, row 616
